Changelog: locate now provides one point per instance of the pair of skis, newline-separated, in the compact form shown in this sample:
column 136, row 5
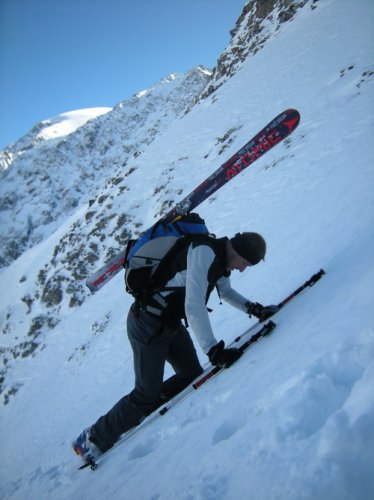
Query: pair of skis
column 276, row 131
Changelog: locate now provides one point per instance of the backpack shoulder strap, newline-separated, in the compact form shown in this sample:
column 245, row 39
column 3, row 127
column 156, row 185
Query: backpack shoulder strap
column 161, row 276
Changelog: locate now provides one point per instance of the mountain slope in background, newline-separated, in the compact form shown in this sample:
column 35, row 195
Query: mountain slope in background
column 62, row 162
column 293, row 419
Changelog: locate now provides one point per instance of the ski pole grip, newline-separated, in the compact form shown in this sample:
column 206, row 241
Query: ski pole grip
column 315, row 277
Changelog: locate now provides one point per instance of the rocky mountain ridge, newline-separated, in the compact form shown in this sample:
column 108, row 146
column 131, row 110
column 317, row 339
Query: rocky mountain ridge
column 259, row 20
column 57, row 175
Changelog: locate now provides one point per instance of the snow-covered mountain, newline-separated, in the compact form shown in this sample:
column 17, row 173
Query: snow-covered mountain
column 294, row 418
column 63, row 162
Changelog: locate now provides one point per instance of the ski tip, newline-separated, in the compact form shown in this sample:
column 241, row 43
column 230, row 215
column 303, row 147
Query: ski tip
column 293, row 112
column 292, row 119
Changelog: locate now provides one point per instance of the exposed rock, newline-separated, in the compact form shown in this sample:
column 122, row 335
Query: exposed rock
column 258, row 20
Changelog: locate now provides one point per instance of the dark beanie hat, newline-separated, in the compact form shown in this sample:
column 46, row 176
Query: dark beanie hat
column 251, row 246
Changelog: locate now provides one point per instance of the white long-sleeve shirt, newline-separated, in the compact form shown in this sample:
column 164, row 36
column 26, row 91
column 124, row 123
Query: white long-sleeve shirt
column 195, row 281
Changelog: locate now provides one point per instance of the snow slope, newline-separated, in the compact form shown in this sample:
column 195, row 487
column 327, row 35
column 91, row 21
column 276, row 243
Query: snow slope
column 293, row 418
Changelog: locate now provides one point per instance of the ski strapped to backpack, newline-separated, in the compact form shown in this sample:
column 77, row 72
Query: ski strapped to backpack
column 149, row 255
column 272, row 134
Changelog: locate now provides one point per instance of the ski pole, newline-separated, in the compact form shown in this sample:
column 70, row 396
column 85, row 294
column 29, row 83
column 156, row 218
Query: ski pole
column 310, row 282
column 265, row 330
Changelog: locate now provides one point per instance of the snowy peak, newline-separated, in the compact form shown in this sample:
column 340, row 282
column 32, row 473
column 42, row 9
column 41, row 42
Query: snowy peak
column 67, row 123
column 63, row 162
column 178, row 79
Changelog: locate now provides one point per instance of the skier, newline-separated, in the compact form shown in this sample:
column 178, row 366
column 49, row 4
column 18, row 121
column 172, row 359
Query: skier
column 157, row 335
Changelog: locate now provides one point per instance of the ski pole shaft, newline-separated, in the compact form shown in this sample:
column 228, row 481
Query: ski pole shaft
column 210, row 371
column 310, row 282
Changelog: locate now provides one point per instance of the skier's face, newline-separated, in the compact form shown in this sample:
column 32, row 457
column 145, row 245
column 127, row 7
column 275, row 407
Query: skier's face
column 237, row 262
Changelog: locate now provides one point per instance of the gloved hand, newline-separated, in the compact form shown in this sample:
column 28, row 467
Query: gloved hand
column 261, row 312
column 224, row 358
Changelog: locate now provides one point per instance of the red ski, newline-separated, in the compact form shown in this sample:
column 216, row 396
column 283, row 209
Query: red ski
column 277, row 130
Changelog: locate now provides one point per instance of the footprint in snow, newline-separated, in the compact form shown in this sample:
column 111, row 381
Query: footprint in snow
column 149, row 445
column 144, row 448
column 320, row 392
column 227, row 429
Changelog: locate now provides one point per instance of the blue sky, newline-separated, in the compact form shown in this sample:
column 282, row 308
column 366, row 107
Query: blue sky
column 61, row 55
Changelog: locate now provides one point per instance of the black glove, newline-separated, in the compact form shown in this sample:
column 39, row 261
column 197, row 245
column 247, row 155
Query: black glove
column 261, row 312
column 219, row 356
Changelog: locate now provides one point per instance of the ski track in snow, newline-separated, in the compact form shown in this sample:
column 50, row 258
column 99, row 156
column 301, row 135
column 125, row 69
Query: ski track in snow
column 294, row 417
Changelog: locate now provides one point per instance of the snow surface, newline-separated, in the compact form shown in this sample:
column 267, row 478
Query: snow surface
column 294, row 418
column 67, row 123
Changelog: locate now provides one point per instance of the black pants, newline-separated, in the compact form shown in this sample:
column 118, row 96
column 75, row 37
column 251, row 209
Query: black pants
column 153, row 343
